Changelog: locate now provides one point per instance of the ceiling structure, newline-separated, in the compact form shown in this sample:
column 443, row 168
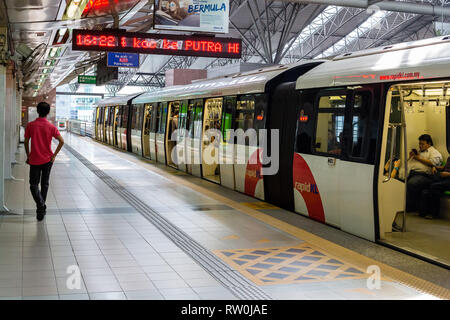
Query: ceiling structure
column 273, row 32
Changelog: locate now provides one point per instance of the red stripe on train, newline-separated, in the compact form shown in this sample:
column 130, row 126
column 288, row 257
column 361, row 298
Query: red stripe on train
column 253, row 173
column 305, row 183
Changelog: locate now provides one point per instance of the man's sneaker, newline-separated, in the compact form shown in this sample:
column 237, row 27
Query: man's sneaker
column 40, row 213
column 429, row 217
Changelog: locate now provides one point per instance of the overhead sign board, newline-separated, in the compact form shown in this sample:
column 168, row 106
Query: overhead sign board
column 192, row 15
column 123, row 59
column 156, row 43
column 87, row 79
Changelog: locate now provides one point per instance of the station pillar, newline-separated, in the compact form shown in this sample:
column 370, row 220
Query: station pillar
column 2, row 137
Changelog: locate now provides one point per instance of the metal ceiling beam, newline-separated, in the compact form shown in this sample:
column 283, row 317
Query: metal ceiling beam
column 396, row 6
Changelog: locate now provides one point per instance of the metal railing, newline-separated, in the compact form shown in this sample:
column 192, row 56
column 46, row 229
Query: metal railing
column 79, row 127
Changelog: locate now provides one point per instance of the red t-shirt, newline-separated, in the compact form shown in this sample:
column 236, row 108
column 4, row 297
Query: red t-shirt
column 41, row 133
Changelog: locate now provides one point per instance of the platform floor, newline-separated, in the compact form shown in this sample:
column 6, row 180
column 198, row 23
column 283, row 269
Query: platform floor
column 174, row 236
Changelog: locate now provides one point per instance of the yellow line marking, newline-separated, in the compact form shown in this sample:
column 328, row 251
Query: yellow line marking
column 232, row 237
column 343, row 253
column 259, row 205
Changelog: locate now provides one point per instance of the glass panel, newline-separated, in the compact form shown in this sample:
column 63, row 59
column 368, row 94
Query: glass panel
column 125, row 117
column 245, row 113
column 163, row 120
column 158, row 117
column 360, row 120
column 190, row 120
column 330, row 125
column 227, row 117
column 198, row 118
column 332, row 102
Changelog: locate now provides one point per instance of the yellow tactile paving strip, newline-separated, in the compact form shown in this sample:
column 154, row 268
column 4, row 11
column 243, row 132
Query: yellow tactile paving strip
column 360, row 261
column 286, row 265
column 260, row 205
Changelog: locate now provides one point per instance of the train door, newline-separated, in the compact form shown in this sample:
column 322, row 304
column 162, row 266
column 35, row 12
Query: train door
column 420, row 217
column 147, row 125
column 124, row 128
column 136, row 129
column 210, row 144
column 110, row 125
column 97, row 118
column 247, row 167
column 189, row 136
column 171, row 139
column 227, row 144
column 100, row 124
column 161, row 133
column 333, row 184
column 181, row 136
column 196, row 140
column 155, row 114
column 105, row 125
column 115, row 125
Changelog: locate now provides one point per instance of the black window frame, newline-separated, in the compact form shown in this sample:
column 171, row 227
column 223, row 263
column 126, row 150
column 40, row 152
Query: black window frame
column 348, row 129
column 326, row 93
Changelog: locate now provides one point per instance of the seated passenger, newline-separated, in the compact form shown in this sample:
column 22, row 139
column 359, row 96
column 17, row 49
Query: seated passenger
column 430, row 200
column 421, row 176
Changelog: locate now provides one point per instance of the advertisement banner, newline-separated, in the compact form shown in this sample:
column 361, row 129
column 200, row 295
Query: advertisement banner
column 192, row 15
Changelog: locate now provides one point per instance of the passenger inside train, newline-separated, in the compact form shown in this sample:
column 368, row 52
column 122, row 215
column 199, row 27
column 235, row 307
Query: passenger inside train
column 425, row 111
column 420, row 174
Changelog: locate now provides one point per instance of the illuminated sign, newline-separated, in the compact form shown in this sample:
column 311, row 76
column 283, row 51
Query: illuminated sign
column 303, row 117
column 165, row 44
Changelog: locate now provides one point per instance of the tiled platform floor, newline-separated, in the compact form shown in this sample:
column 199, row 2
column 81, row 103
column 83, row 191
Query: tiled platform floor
column 121, row 255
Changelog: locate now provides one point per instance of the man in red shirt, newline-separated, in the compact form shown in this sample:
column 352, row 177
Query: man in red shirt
column 41, row 157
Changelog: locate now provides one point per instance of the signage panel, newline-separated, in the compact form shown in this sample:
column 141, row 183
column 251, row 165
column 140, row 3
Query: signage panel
column 192, row 15
column 123, row 59
column 87, row 79
column 156, row 43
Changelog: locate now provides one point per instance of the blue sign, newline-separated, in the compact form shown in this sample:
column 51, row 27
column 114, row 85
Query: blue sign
column 122, row 59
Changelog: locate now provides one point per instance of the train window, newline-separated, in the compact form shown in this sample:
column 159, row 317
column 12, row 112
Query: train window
column 183, row 115
column 245, row 112
column 229, row 104
column 163, row 119
column 360, row 113
column 125, row 117
column 190, row 119
column 157, row 117
column 198, row 116
column 330, row 124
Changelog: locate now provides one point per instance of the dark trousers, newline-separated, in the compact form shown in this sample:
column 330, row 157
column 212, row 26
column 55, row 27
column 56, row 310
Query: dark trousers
column 417, row 182
column 431, row 197
column 40, row 174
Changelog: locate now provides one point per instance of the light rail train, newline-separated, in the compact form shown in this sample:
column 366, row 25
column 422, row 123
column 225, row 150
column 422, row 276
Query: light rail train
column 339, row 122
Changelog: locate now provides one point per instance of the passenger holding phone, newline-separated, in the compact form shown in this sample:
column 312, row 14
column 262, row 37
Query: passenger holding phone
column 420, row 176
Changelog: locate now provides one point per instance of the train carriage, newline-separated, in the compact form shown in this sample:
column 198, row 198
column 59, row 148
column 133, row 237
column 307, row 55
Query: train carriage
column 238, row 102
column 339, row 123
column 113, row 119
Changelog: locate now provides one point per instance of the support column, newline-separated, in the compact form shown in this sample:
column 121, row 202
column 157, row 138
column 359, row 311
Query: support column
column 8, row 124
column 2, row 137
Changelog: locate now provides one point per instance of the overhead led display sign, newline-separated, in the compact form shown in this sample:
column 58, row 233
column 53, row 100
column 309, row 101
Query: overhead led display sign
column 164, row 44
